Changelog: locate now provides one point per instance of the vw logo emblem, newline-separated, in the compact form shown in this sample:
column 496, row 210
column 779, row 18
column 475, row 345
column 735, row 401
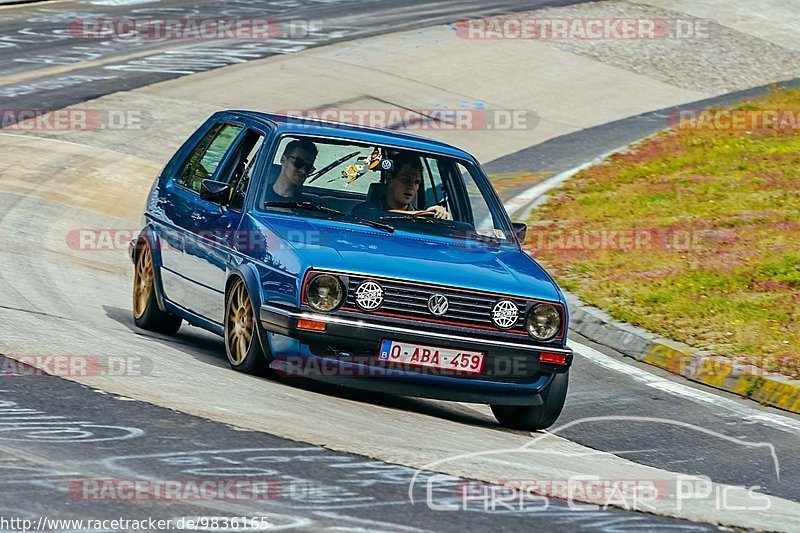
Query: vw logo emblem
column 438, row 304
column 386, row 164
column 369, row 296
column 505, row 314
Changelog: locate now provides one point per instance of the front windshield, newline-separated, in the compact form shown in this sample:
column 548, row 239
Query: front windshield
column 405, row 190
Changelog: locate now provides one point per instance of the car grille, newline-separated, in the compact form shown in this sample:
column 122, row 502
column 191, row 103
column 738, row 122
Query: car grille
column 411, row 301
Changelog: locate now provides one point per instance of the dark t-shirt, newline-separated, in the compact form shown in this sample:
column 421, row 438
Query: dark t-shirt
column 273, row 196
column 371, row 210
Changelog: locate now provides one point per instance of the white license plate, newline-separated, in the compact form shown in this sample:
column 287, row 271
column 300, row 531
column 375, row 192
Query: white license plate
column 432, row 356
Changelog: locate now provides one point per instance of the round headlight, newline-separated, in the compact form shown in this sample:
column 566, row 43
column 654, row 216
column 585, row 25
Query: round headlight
column 543, row 322
column 324, row 293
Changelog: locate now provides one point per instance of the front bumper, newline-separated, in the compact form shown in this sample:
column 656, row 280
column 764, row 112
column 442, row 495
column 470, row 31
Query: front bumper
column 511, row 367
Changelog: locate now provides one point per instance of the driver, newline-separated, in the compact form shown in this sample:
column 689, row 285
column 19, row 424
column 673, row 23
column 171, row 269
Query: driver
column 402, row 187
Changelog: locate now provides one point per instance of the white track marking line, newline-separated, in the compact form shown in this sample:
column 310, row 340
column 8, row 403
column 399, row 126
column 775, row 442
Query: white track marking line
column 777, row 421
column 522, row 205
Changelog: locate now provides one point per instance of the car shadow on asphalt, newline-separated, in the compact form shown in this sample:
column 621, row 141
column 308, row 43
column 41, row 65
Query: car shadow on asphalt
column 209, row 349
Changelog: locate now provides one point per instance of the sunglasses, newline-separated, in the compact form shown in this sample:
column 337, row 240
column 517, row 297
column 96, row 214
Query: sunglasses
column 301, row 163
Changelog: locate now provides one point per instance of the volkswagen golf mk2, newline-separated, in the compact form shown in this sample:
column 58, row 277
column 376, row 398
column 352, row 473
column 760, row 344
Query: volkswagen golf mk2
column 370, row 258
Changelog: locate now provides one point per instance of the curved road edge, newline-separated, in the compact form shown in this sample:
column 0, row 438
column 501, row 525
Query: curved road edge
column 718, row 372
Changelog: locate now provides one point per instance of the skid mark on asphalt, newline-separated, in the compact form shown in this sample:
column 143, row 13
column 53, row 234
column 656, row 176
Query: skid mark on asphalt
column 40, row 313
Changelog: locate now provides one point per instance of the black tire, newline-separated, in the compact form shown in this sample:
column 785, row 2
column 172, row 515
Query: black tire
column 535, row 417
column 146, row 313
column 243, row 333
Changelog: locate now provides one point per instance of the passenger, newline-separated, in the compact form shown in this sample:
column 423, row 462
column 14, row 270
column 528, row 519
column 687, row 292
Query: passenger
column 297, row 163
column 401, row 188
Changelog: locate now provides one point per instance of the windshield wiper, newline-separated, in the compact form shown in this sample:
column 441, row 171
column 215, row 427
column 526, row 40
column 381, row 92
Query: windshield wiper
column 486, row 239
column 372, row 223
column 420, row 218
column 326, row 168
column 311, row 206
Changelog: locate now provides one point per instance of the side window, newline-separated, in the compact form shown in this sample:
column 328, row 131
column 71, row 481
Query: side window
column 205, row 158
column 244, row 167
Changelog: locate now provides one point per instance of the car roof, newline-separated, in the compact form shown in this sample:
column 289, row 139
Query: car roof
column 377, row 136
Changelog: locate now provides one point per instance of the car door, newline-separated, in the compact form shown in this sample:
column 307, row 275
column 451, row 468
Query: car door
column 211, row 243
column 172, row 206
column 180, row 204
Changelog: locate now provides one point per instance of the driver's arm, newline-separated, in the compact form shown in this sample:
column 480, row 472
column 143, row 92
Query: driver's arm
column 436, row 211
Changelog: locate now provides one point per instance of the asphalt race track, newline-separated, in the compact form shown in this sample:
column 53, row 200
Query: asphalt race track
column 40, row 72
column 313, row 488
column 335, row 459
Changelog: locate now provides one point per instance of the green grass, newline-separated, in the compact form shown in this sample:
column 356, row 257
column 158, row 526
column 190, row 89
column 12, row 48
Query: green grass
column 717, row 261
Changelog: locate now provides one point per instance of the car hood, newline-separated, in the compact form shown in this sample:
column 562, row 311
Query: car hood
column 356, row 249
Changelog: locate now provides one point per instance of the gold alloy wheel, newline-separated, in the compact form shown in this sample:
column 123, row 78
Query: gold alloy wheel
column 142, row 281
column 240, row 327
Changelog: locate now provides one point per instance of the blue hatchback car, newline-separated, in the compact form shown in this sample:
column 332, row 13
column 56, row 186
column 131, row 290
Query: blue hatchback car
column 368, row 258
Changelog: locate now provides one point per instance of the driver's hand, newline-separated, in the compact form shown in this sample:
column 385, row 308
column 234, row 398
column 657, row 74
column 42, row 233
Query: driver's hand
column 439, row 212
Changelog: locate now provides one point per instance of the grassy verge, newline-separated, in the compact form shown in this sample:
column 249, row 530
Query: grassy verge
column 694, row 234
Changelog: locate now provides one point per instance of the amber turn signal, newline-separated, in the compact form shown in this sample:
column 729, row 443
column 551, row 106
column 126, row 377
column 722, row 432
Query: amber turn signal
column 554, row 358
column 311, row 325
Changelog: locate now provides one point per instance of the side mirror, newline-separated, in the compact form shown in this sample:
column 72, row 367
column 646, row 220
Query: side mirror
column 215, row 191
column 520, row 229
